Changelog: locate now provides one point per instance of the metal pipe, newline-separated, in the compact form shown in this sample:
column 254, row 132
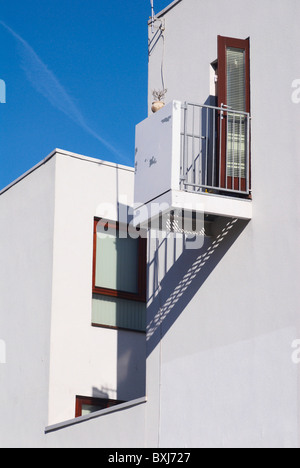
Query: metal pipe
column 211, row 187
column 152, row 16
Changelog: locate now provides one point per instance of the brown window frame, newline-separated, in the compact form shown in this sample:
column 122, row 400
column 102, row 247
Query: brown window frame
column 92, row 401
column 223, row 43
column 141, row 295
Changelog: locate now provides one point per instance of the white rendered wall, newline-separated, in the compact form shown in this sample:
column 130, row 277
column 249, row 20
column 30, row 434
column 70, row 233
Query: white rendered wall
column 51, row 351
column 222, row 375
column 86, row 360
column 122, row 429
column 26, row 253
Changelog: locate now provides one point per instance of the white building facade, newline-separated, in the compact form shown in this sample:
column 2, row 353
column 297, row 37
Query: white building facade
column 112, row 337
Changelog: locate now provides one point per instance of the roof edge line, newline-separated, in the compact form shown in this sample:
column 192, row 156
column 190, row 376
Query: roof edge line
column 27, row 173
column 68, row 154
column 166, row 9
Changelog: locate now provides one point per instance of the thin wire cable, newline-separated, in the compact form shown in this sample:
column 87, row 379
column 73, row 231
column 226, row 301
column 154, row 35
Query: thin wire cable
column 163, row 60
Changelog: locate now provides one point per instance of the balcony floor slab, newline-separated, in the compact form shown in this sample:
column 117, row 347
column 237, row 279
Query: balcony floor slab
column 206, row 203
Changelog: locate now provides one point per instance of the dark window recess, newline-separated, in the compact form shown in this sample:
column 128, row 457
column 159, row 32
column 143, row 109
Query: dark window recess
column 88, row 405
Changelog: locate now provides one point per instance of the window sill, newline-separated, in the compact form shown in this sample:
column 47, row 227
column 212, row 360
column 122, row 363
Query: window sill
column 96, row 414
column 111, row 327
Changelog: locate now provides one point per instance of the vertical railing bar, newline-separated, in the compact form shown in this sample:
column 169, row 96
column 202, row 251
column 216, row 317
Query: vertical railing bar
column 214, row 149
column 206, row 147
column 187, row 162
column 240, row 154
column 233, row 148
column 220, row 147
column 247, row 168
column 200, row 146
column 226, row 142
column 185, row 143
column 193, row 148
column 182, row 146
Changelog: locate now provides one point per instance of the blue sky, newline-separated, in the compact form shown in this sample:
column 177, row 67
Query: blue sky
column 76, row 78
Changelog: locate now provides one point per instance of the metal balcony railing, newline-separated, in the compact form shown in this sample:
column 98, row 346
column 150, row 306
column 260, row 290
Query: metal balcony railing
column 215, row 150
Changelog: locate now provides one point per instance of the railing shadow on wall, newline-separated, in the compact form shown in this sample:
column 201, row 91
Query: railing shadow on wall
column 183, row 280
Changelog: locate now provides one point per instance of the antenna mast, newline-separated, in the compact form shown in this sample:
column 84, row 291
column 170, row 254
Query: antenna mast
column 152, row 16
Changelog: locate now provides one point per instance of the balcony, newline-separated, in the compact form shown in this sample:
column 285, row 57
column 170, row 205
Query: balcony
column 191, row 159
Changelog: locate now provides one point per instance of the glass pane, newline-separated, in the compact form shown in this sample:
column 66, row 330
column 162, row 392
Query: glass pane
column 88, row 409
column 236, row 79
column 236, row 123
column 121, row 313
column 236, row 145
column 117, row 262
column 100, row 404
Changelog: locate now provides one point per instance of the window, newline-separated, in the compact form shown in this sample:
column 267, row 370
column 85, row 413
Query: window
column 88, row 405
column 119, row 262
column 234, row 95
column 119, row 277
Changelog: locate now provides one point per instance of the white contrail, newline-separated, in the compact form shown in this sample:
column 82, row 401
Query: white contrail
column 46, row 83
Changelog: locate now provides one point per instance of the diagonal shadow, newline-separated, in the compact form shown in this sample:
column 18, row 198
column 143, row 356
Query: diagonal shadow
column 185, row 278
